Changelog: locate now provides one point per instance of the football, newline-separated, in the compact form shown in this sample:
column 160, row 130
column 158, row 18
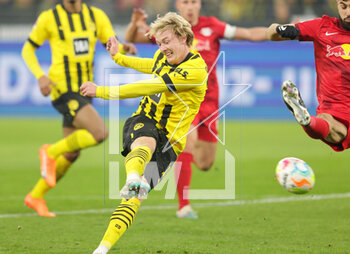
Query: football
column 295, row 175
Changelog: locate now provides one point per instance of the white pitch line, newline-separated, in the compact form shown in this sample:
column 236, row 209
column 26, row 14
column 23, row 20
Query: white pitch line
column 198, row 205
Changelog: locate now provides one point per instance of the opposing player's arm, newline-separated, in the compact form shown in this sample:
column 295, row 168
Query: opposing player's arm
column 249, row 34
column 137, row 28
column 133, row 90
column 277, row 32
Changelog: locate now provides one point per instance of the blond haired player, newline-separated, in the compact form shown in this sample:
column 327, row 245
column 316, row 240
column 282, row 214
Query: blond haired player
column 171, row 101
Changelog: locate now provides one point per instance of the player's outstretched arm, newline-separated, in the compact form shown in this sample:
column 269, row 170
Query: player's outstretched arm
column 250, row 34
column 133, row 90
column 278, row 32
column 137, row 28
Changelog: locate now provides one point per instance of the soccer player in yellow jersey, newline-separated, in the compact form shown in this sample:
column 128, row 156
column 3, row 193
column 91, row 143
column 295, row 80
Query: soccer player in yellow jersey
column 157, row 130
column 72, row 29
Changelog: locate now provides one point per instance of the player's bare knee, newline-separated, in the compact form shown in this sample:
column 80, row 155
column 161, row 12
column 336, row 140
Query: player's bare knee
column 336, row 135
column 204, row 165
column 100, row 135
column 72, row 156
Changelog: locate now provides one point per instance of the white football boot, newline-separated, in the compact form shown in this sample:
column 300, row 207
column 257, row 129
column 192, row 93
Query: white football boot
column 131, row 187
column 186, row 212
column 101, row 250
column 291, row 97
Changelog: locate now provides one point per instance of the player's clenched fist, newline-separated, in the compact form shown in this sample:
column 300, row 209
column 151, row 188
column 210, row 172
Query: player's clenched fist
column 112, row 46
column 45, row 85
column 88, row 89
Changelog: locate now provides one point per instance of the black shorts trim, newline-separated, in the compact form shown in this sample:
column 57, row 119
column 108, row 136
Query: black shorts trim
column 68, row 105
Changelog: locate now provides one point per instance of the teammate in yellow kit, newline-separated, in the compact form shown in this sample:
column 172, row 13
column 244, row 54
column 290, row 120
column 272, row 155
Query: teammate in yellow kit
column 157, row 130
column 72, row 29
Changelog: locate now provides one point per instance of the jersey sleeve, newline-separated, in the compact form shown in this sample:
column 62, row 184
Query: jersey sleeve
column 140, row 64
column 40, row 31
column 219, row 26
column 309, row 29
column 103, row 24
column 133, row 90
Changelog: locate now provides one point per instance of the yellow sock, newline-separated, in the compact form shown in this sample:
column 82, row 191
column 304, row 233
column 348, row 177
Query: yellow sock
column 62, row 165
column 136, row 160
column 120, row 221
column 77, row 140
column 41, row 187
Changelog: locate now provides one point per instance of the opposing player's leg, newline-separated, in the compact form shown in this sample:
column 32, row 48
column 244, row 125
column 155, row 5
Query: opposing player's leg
column 324, row 126
column 337, row 131
column 204, row 155
column 200, row 149
column 183, row 174
column 294, row 102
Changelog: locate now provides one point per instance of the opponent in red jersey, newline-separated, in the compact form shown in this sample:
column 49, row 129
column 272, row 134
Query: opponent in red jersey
column 202, row 142
column 331, row 37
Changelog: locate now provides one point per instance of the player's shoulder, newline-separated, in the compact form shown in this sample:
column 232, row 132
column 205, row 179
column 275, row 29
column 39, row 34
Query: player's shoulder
column 329, row 21
column 158, row 54
column 196, row 62
column 45, row 15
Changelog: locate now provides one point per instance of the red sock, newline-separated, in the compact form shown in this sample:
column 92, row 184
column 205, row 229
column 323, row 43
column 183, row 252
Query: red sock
column 318, row 128
column 184, row 179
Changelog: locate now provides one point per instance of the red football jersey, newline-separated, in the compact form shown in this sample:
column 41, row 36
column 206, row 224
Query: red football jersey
column 332, row 60
column 208, row 33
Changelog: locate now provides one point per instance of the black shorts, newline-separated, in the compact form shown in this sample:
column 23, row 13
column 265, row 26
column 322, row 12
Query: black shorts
column 142, row 126
column 68, row 105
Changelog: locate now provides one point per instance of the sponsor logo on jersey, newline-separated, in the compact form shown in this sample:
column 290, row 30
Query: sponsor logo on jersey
column 181, row 72
column 200, row 45
column 329, row 34
column 138, row 126
column 81, row 46
column 206, row 31
column 342, row 51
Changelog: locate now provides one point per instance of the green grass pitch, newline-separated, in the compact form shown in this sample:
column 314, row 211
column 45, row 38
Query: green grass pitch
column 256, row 226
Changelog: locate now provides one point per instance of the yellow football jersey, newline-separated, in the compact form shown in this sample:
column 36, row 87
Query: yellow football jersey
column 172, row 98
column 72, row 38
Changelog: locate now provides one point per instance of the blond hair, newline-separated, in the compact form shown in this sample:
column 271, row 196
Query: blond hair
column 175, row 23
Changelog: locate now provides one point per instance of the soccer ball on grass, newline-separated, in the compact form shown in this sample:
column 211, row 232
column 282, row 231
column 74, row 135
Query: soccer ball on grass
column 295, row 175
